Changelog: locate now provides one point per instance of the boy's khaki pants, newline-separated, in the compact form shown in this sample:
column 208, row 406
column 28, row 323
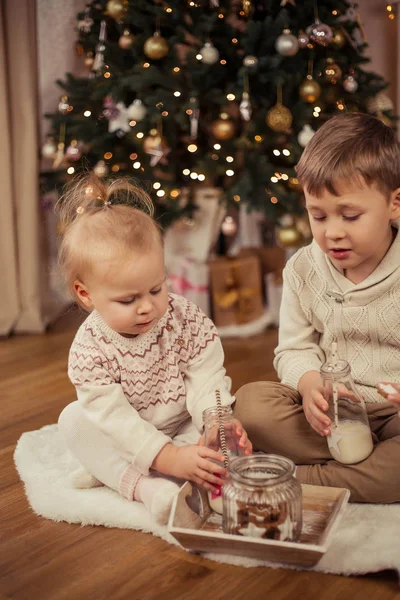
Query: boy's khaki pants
column 273, row 417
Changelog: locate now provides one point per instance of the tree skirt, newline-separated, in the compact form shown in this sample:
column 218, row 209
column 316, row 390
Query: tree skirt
column 366, row 540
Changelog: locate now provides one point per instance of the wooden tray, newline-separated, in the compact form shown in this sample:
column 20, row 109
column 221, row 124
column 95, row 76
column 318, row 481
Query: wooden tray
column 199, row 529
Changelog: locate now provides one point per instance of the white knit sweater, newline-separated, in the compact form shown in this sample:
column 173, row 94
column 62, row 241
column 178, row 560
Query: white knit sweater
column 319, row 305
column 141, row 392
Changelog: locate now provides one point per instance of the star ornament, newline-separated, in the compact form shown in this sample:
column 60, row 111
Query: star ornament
column 286, row 529
column 158, row 155
column 252, row 530
column 117, row 115
column 119, row 121
column 333, row 441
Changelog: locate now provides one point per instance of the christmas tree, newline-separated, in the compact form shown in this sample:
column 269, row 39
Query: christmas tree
column 222, row 93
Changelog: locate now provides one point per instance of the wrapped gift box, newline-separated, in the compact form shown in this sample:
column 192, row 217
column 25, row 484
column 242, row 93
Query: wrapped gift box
column 236, row 290
column 191, row 280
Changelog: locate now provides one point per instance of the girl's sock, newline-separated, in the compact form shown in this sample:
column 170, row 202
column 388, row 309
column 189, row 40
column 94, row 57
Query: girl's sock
column 156, row 493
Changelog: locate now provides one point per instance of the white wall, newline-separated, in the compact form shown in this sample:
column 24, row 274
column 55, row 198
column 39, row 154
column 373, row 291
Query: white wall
column 381, row 35
column 56, row 23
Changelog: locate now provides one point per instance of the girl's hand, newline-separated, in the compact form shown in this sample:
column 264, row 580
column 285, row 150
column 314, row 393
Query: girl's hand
column 241, row 434
column 194, row 463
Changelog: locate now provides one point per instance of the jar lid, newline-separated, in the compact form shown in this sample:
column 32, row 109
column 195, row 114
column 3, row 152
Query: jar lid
column 260, row 470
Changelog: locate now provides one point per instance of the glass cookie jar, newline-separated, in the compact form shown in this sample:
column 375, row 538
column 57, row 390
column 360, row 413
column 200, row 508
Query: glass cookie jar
column 212, row 439
column 262, row 499
column 350, row 440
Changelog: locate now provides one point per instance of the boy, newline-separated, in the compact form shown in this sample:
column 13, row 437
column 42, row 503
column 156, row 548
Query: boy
column 345, row 286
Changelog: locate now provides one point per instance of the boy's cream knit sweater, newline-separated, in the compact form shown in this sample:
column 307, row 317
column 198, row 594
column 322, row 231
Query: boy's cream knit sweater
column 319, row 305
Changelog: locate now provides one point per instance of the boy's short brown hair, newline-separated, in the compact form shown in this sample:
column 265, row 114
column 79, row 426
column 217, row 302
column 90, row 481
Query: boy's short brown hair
column 347, row 147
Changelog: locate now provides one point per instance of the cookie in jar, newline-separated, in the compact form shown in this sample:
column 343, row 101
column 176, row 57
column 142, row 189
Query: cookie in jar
column 262, row 499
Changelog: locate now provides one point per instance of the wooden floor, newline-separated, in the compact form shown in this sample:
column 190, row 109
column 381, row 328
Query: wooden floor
column 43, row 560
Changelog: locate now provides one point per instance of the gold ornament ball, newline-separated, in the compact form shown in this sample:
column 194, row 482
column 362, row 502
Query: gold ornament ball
column 309, row 90
column 289, row 237
column 152, row 142
column 303, row 226
column 279, row 118
column 223, row 129
column 156, row 47
column 126, row 40
column 79, row 49
column 338, row 39
column 295, row 185
column 116, row 8
column 332, row 71
column 89, row 60
column 331, row 94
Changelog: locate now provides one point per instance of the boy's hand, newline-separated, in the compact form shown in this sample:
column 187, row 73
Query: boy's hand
column 194, row 463
column 315, row 407
column 314, row 404
column 391, row 391
column 244, row 443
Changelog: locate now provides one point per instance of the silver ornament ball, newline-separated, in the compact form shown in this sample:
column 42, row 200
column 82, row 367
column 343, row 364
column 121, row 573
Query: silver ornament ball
column 229, row 226
column 320, row 33
column 287, row 44
column 49, row 149
column 250, row 61
column 100, row 169
column 305, row 135
column 350, row 84
column 137, row 110
column 209, row 54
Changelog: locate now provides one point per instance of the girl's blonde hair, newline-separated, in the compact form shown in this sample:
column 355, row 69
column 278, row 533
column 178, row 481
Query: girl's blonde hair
column 99, row 220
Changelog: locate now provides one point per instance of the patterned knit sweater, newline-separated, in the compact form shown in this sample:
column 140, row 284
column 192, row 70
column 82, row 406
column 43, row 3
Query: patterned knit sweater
column 319, row 305
column 140, row 391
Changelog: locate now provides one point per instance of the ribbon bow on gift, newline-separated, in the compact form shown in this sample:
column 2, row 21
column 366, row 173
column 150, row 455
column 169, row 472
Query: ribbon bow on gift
column 180, row 283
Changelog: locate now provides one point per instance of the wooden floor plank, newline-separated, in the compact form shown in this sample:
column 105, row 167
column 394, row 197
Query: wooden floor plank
column 40, row 559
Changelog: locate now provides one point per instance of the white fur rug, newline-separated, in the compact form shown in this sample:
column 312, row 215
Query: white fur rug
column 366, row 540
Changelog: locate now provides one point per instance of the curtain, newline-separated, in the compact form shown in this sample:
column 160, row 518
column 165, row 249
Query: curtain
column 20, row 257
column 31, row 295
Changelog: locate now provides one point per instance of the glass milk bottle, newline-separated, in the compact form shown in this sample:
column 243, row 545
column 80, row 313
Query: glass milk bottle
column 350, row 440
column 212, row 439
